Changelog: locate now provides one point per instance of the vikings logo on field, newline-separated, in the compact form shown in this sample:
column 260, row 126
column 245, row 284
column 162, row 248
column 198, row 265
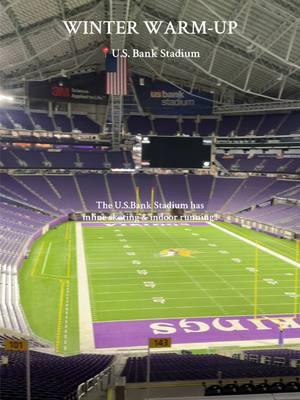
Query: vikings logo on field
column 176, row 252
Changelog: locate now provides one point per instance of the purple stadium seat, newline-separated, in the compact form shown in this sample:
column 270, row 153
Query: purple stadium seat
column 4, row 120
column 291, row 124
column 52, row 377
column 166, row 126
column 175, row 367
column 188, row 126
column 207, row 127
column 137, row 124
column 85, row 124
column 21, row 118
column 249, row 123
column 228, row 124
column 270, row 123
column 43, row 120
column 63, row 122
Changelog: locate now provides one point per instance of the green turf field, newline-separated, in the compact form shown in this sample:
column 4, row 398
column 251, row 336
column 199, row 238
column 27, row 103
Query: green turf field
column 48, row 288
column 145, row 272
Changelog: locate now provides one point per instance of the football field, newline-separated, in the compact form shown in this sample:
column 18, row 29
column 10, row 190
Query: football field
column 161, row 279
column 132, row 275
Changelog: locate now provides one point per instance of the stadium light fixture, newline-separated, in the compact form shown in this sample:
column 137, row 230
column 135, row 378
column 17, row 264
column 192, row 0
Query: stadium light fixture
column 4, row 98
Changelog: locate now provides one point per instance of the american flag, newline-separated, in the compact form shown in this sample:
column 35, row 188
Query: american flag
column 116, row 75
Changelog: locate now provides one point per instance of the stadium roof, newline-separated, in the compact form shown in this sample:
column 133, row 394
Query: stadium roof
column 261, row 58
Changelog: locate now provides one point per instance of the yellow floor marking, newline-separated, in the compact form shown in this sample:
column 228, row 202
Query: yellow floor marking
column 60, row 315
column 69, row 257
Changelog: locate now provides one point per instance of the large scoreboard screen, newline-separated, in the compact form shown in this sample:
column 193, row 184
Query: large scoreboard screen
column 175, row 152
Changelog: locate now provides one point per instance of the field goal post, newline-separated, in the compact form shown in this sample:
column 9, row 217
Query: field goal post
column 280, row 321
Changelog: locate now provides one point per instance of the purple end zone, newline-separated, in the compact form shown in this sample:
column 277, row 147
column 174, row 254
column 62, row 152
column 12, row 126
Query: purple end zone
column 195, row 330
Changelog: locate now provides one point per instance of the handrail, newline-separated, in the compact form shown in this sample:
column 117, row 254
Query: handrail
column 267, row 106
column 91, row 383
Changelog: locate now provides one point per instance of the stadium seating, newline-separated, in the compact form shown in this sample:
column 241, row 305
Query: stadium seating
column 228, row 125
column 52, row 377
column 200, row 188
column 121, row 187
column 21, row 118
column 17, row 225
column 85, row 124
column 5, row 122
column 188, row 126
column 42, row 121
column 63, row 159
column 248, row 124
column 245, row 163
column 174, row 188
column 241, row 125
column 146, row 183
column 207, row 127
column 292, row 194
column 49, row 192
column 276, row 356
column 137, row 124
column 270, row 123
column 260, row 124
column 290, row 124
column 18, row 118
column 280, row 215
column 166, row 126
column 175, row 367
column 32, row 342
column 222, row 189
column 63, row 123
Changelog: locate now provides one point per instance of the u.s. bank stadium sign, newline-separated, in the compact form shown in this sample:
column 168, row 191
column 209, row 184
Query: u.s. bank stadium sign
column 172, row 98
column 162, row 98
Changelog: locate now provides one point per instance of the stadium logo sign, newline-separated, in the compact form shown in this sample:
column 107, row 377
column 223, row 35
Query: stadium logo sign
column 163, row 93
column 177, row 98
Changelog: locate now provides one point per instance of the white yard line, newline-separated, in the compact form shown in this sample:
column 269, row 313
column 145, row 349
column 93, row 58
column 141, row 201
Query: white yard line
column 181, row 298
column 193, row 317
column 46, row 257
column 111, row 310
column 220, row 277
column 177, row 291
column 187, row 273
column 260, row 247
column 86, row 337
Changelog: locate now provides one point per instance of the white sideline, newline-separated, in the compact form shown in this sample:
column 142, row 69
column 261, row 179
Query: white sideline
column 265, row 249
column 86, row 337
column 46, row 257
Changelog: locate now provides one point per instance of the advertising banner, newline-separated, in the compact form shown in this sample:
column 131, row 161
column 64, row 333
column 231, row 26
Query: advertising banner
column 162, row 98
column 84, row 88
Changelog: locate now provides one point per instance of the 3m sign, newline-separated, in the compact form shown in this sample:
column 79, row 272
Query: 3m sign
column 15, row 345
column 159, row 342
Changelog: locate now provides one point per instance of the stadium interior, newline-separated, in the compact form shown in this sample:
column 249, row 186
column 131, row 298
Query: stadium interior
column 150, row 221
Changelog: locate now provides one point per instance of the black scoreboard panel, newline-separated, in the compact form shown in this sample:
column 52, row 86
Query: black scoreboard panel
column 175, row 152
